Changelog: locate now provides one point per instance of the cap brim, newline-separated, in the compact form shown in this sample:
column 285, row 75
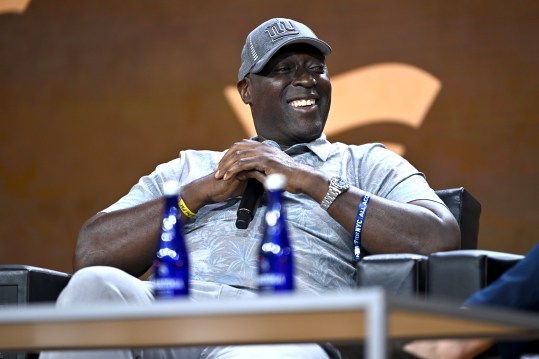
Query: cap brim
column 324, row 48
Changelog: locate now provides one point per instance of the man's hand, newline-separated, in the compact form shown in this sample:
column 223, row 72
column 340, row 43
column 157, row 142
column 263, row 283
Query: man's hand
column 209, row 189
column 251, row 159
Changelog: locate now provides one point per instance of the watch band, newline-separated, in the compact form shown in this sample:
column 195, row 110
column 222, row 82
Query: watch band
column 337, row 186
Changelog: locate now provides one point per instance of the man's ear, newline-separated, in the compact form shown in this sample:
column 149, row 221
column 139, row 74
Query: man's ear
column 244, row 88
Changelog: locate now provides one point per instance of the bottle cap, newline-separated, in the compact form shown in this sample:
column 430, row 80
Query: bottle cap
column 171, row 188
column 275, row 181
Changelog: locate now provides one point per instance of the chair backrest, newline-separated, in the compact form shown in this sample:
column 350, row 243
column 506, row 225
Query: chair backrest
column 467, row 211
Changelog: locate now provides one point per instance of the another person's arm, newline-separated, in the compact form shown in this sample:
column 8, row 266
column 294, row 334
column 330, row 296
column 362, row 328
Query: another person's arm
column 448, row 348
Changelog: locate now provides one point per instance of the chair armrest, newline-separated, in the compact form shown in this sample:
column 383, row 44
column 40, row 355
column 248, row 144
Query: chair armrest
column 21, row 284
column 398, row 274
column 451, row 275
column 455, row 275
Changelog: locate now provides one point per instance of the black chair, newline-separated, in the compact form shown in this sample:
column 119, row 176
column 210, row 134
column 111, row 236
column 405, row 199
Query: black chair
column 406, row 273
column 22, row 284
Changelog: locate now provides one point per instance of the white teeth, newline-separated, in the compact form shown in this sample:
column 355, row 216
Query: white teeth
column 303, row 103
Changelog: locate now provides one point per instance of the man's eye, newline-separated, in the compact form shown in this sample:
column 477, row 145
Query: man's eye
column 281, row 69
column 320, row 69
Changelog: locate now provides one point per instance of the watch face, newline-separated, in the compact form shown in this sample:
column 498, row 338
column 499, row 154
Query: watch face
column 339, row 183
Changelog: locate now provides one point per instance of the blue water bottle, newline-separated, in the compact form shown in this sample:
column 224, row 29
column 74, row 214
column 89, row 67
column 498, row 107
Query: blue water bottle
column 275, row 259
column 171, row 261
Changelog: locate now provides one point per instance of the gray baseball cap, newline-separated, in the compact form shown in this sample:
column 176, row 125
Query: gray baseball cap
column 264, row 41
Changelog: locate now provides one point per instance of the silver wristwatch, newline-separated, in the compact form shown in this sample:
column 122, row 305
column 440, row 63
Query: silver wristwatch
column 337, row 186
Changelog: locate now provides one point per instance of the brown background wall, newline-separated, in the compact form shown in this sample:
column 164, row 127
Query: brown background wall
column 94, row 94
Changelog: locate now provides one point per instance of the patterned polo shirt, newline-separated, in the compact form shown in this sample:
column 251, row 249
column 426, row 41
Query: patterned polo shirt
column 323, row 249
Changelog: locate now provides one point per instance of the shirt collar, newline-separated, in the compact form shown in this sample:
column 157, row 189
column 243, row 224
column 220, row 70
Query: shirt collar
column 321, row 147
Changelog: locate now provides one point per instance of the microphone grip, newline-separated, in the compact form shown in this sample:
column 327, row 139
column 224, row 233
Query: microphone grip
column 249, row 203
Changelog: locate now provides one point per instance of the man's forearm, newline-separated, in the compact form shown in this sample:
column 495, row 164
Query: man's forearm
column 422, row 227
column 125, row 239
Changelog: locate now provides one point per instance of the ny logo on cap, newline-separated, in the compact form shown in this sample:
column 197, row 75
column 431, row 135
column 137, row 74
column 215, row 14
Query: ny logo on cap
column 281, row 29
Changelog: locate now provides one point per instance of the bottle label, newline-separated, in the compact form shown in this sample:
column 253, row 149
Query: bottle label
column 271, row 279
column 168, row 288
column 166, row 284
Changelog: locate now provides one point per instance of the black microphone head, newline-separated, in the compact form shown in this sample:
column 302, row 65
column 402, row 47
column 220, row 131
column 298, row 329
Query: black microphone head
column 244, row 217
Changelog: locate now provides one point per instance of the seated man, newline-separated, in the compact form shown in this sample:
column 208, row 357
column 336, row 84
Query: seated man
column 518, row 288
column 284, row 79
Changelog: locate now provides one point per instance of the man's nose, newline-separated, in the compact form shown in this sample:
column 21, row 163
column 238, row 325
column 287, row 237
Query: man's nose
column 304, row 78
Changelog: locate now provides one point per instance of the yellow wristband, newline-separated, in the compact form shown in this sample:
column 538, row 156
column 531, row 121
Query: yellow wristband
column 185, row 210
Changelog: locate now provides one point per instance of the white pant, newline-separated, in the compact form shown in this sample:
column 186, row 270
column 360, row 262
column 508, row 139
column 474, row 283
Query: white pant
column 107, row 284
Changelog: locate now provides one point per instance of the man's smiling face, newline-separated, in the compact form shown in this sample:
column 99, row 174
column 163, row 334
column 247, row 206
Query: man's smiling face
column 290, row 98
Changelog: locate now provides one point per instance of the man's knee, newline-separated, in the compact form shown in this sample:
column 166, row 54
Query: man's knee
column 104, row 284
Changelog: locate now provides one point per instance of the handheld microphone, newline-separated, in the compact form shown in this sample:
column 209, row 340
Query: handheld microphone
column 251, row 197
column 249, row 203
